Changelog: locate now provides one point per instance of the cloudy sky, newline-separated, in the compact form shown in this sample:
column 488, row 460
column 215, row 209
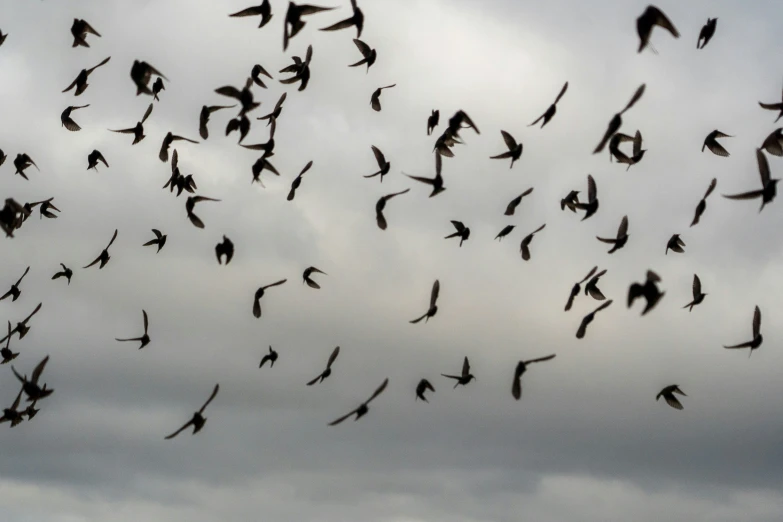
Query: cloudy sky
column 587, row 441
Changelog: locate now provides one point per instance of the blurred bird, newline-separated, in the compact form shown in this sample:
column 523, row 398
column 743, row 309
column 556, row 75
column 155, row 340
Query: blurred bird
column 14, row 292
column 706, row 33
column 31, row 388
column 524, row 246
column 702, row 206
column 514, row 149
column 81, row 79
column 550, row 112
column 375, row 99
column 301, row 70
column 93, row 158
column 298, row 181
column 675, row 244
column 198, row 419
column 190, row 204
column 514, row 203
column 651, row 17
column 255, row 75
column 616, row 122
column 757, row 337
column 79, row 30
column 505, row 231
column 768, row 189
column 104, row 257
column 6, row 352
column 462, row 231
column 433, row 309
column 622, row 236
column 698, row 295
column 580, row 333
column 592, row 289
column 293, row 22
column 571, row 201
column 65, row 272
column 21, row 162
column 271, row 357
column 170, row 138
column 160, row 239
column 272, row 116
column 259, row 294
column 381, row 205
column 157, row 87
column 778, row 106
column 436, row 182
column 591, row 206
column 225, row 248
column 711, row 143
column 206, row 111
column 369, row 55
column 144, row 339
column 668, row 395
column 577, row 288
column 363, row 408
column 138, row 130
column 264, row 10
column 12, row 414
column 355, row 20
column 328, row 370
column 649, row 290
column 306, row 277
column 422, row 387
column 466, row 376
column 516, row 385
column 141, row 74
column 772, row 143
column 383, row 165
column 432, row 121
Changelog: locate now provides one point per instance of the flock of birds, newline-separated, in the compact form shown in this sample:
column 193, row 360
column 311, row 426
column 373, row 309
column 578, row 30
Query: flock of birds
column 13, row 214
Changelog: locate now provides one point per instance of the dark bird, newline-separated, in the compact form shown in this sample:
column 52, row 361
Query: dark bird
column 293, row 22
column 383, row 165
column 3, row 36
column 328, row 370
column 3, row 157
column 363, row 408
column 571, row 201
column 706, row 33
column 160, row 239
column 506, row 231
column 138, row 130
column 616, row 122
column 375, row 99
column 298, row 181
column 6, row 352
column 651, row 17
column 591, row 206
column 620, row 156
column 157, row 87
column 241, row 123
column 301, row 70
column 524, row 246
column 466, row 376
column 93, row 158
column 668, row 395
column 198, row 419
column 591, row 288
column 369, row 54
column 79, row 30
column 381, row 204
column 577, row 288
column 31, row 388
column 31, row 410
column 224, row 248
column 255, row 75
column 271, row 357
column 177, row 180
column 757, row 337
column 104, row 257
column 772, row 143
column 514, row 149
column 12, row 414
column 580, row 333
column 514, row 203
column 259, row 294
column 462, row 232
column 167, row 141
column 432, row 121
column 141, row 74
column 698, row 295
column 264, row 10
column 550, row 112
column 21, row 162
column 45, row 208
column 267, row 147
column 260, row 166
column 244, row 96
column 768, row 185
column 433, row 309
column 711, row 143
column 701, row 207
column 306, row 276
column 81, row 80
column 450, row 136
column 272, row 116
column 65, row 272
column 422, row 387
column 516, row 386
column 14, row 292
column 622, row 236
column 355, row 20
column 11, row 216
column 773, row 107
column 190, row 204
column 649, row 290
column 144, row 339
column 437, row 181
column 675, row 244
column 206, row 111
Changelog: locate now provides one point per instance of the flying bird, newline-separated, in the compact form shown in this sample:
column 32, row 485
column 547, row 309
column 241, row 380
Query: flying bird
column 31, row 388
column 616, row 122
column 198, row 419
column 577, row 288
column 3, row 36
column 301, row 70
column 190, row 204
column 224, row 248
column 240, row 123
column 6, row 352
column 104, row 257
column 271, row 357
column 306, row 276
column 432, row 121
column 375, row 99
column 514, row 149
column 272, row 116
column 433, row 309
column 255, row 75
column 138, row 130
column 778, row 106
column 328, row 370
column 521, row 368
column 14, row 292
column 422, row 387
column 580, row 333
column 383, row 165
column 21, row 162
column 706, row 33
column 167, row 141
column 637, row 153
column 81, row 79
column 157, row 87
column 514, row 203
column 711, row 143
column 298, row 181
column 144, row 339
column 525, row 244
column 206, row 111
column 768, row 189
column 437, row 181
column 702, row 206
column 93, row 158
column 772, row 143
column 698, row 295
column 592, row 289
column 675, row 244
column 264, row 10
column 160, row 239
column 293, row 22
column 757, row 337
column 591, row 205
column 505, row 231
column 355, row 20
column 363, row 408
column 550, row 112
column 381, row 204
column 462, row 232
column 65, row 272
column 668, row 395
column 649, row 290
column 259, row 294
column 571, row 201
column 141, row 74
column 463, row 379
column 622, row 236
column 651, row 17
column 369, row 55
column 12, row 414
column 79, row 30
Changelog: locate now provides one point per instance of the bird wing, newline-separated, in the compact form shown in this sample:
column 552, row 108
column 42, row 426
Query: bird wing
column 635, row 98
column 379, row 157
column 465, row 367
column 763, row 167
column 310, row 383
column 333, row 357
column 562, row 92
column 363, row 47
column 250, row 11
column 25, row 273
column 591, row 188
column 157, row 233
column 179, row 430
column 511, row 143
column 38, row 370
column 32, row 313
column 378, row 391
column 539, row 229
column 716, row 148
column 589, row 274
column 712, row 186
column 146, row 321
column 580, row 333
column 338, row 421
column 458, row 225
column 125, row 131
column 753, row 194
column 516, row 386
column 604, row 305
column 147, row 113
column 214, row 393
column 662, row 20
column 112, row 238
column 104, row 62
column 772, row 106
column 622, row 230
column 435, row 292
column 672, row 401
column 231, row 92
column 306, row 168
column 276, row 283
column 756, row 322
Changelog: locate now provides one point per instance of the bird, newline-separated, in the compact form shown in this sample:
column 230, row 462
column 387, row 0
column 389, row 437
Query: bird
column 157, row 87
column 104, row 257
column 306, row 276
column 463, row 379
column 571, row 201
column 620, row 156
column 198, row 419
column 668, row 395
column 525, row 244
column 381, row 204
column 591, row 288
column 649, row 290
column 675, row 244
column 505, row 231
column 272, row 116
column 651, row 17
column 698, row 295
column 462, row 232
column 259, row 294
column 778, row 106
column 711, row 143
column 437, row 181
column 757, row 337
column 550, row 112
column 240, row 123
column 6, row 352
column 298, row 181
column 93, row 158
column 65, row 272
column 79, row 30
column 138, row 130
column 14, row 292
column 163, row 155
column 21, row 162
column 375, row 99
column 617, row 120
column 773, row 143
column 31, row 388
column 11, row 216
column 301, row 70
column 383, row 165
column 224, row 248
column 768, row 189
column 514, row 149
column 293, row 22
column 578, row 287
column 328, row 370
column 260, row 166
column 355, row 20
column 3, row 157
column 706, row 33
column 81, row 79
column 264, row 10
column 31, row 410
column 514, row 203
column 580, row 333
column 702, row 206
column 255, row 75
column 46, row 205
column 521, row 368
column 3, row 36
column 160, row 239
column 591, row 206
column 144, row 339
column 12, row 414
column 422, row 387
column 363, row 408
column 206, row 112
column 271, row 357
column 450, row 136
column 369, row 55
column 190, row 204
column 432, row 121
column 621, row 239
column 267, row 147
column 141, row 73
column 433, row 309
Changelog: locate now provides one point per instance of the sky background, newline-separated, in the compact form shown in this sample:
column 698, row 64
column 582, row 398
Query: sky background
column 587, row 442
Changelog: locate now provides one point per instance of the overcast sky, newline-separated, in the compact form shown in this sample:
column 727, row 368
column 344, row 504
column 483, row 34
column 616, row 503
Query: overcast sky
column 587, row 441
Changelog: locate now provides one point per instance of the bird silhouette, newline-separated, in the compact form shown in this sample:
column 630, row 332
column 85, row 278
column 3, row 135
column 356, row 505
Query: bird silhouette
column 138, row 130
column 778, row 106
column 591, row 205
column 711, row 143
column 375, row 99
column 702, row 206
column 355, row 20
column 264, row 10
column 580, row 333
column 12, row 414
column 259, row 294
column 675, row 244
column 206, row 112
column 31, row 388
column 298, row 181
column 381, row 205
column 432, row 121
column 157, row 87
column 81, row 79
column 31, row 410
column 437, row 181
column 301, row 70
column 93, row 158
column 383, row 165
column 244, row 96
column 255, row 75
column 160, row 239
column 462, row 232
column 11, row 216
column 616, row 122
column 224, row 248
column 5, row 351
column 328, row 370
column 260, row 166
column 571, row 201
column 651, row 17
column 592, row 289
column 271, row 357
column 706, row 33
column 768, row 189
column 757, row 337
column 272, row 116
column 773, row 143
column 463, row 379
column 190, row 204
column 698, row 295
column 550, row 112
column 578, row 287
column 163, row 155
column 104, row 257
column 504, row 232
column 141, row 73
column 621, row 239
column 144, row 339
column 668, row 395
column 525, row 244
column 514, row 203
column 21, row 162
column 198, row 419
column 240, row 123
column 65, row 272
column 637, row 152
column 433, row 309
column 369, row 55
column 422, row 387
column 293, row 22
column 306, row 276
column 514, row 149
column 3, row 36
column 79, row 30
column 521, row 368
column 363, row 408
column 14, row 292
column 649, row 290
